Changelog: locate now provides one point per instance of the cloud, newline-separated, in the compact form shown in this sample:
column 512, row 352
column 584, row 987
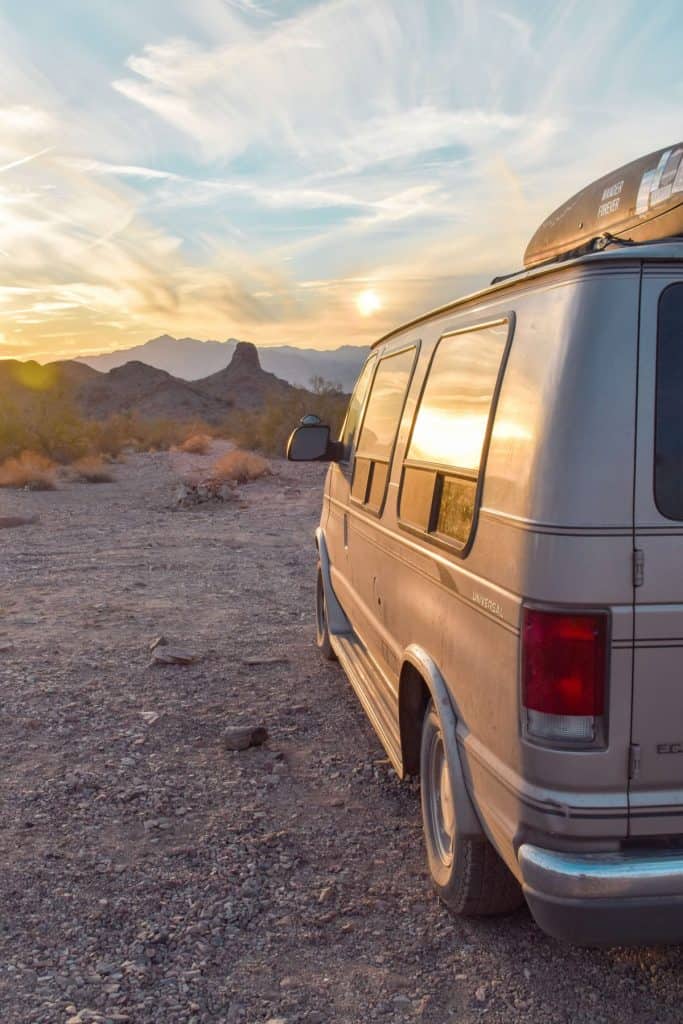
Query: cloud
column 248, row 7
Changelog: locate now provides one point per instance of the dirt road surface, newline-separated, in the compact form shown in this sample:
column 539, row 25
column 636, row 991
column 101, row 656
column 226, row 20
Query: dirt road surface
column 151, row 875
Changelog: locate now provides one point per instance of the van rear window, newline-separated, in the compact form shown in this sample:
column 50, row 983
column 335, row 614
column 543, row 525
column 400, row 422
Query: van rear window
column 669, row 404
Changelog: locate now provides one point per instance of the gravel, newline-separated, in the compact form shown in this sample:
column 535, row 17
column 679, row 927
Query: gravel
column 152, row 875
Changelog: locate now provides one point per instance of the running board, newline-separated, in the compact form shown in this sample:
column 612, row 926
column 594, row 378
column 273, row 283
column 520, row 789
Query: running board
column 374, row 692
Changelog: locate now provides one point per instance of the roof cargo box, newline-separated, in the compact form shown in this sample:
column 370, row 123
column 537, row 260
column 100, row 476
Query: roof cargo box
column 640, row 202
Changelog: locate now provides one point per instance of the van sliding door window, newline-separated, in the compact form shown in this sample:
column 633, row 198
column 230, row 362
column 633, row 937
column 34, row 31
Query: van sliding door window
column 669, row 404
column 443, row 463
column 380, row 425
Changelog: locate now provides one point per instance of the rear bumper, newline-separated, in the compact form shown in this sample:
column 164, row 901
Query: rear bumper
column 628, row 898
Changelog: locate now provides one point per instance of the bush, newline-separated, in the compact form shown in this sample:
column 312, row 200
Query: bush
column 239, row 466
column 196, row 444
column 267, row 429
column 90, row 470
column 31, row 470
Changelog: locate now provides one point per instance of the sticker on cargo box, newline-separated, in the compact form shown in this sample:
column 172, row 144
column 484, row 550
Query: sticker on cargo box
column 643, row 197
column 668, row 176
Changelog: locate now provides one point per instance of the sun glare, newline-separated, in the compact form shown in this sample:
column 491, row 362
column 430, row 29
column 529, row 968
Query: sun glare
column 368, row 302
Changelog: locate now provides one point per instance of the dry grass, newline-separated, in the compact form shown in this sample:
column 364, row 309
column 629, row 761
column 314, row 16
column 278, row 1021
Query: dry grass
column 31, row 470
column 196, row 444
column 239, row 466
column 90, row 470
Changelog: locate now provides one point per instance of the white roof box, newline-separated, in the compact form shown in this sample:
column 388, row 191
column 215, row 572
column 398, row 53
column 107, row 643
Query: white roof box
column 640, row 202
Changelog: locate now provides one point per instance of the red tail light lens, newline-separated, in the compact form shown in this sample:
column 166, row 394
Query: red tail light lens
column 564, row 667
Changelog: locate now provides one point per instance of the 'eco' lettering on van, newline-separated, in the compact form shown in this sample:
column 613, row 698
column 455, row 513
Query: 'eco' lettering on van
column 670, row 748
column 488, row 603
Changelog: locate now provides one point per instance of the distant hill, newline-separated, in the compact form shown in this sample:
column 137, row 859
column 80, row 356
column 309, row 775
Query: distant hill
column 151, row 393
column 145, row 390
column 192, row 360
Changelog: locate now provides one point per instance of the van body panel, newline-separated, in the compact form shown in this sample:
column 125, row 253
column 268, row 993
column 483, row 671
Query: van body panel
column 656, row 790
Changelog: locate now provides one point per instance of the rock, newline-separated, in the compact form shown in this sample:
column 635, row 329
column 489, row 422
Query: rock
column 278, row 660
column 481, row 993
column 227, row 492
column 326, row 894
column 242, row 737
column 172, row 656
column 8, row 522
column 183, row 494
column 149, row 716
column 158, row 641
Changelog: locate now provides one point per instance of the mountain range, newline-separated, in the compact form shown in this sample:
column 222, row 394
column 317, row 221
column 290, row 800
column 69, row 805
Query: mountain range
column 192, row 360
column 145, row 390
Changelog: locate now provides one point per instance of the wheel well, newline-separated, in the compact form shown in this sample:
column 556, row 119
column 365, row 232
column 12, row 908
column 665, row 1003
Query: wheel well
column 413, row 698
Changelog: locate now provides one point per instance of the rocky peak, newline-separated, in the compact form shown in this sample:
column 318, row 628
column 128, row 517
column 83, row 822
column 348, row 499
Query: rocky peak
column 245, row 357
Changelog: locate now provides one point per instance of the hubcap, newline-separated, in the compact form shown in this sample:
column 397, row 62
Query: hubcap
column 441, row 801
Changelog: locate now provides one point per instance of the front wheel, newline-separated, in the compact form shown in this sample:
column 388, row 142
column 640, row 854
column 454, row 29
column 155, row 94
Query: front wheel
column 322, row 632
column 468, row 874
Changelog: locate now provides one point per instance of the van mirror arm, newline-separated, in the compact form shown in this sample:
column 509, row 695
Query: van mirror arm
column 335, row 451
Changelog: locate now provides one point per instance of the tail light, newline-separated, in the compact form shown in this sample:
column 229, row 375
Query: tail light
column 564, row 670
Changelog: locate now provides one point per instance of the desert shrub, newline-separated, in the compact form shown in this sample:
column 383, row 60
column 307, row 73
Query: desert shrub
column 267, row 429
column 196, row 444
column 29, row 469
column 90, row 470
column 240, row 466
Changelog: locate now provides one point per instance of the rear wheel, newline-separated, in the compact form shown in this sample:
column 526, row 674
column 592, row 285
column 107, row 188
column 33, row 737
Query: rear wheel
column 467, row 874
column 322, row 633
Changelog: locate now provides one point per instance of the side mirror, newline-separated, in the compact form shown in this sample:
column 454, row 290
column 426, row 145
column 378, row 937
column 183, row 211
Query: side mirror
column 310, row 442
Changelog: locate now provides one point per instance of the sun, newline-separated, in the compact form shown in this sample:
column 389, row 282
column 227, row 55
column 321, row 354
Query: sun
column 368, row 302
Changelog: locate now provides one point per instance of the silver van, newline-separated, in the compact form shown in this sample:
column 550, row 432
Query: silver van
column 500, row 568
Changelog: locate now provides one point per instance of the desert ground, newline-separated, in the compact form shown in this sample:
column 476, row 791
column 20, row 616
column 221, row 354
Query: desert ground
column 149, row 874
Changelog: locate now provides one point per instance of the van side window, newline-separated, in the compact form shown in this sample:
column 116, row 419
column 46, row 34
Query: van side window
column 380, row 425
column 442, row 466
column 669, row 404
column 356, row 403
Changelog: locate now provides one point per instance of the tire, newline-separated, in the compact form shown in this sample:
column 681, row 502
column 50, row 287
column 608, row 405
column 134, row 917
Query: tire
column 468, row 875
column 322, row 633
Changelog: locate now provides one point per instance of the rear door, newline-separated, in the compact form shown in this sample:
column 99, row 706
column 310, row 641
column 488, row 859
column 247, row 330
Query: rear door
column 656, row 784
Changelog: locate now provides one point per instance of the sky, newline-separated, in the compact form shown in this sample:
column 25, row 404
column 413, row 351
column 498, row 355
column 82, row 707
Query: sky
column 305, row 172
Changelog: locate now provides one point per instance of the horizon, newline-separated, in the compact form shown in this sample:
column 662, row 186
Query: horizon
column 166, row 336
column 297, row 173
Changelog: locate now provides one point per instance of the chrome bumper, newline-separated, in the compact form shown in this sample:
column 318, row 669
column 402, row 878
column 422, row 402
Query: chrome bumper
column 630, row 897
column 601, row 875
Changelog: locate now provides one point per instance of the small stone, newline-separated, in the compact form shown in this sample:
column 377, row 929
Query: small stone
column 227, row 492
column 480, row 994
column 278, row 660
column 326, row 894
column 242, row 737
column 158, row 641
column 172, row 656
